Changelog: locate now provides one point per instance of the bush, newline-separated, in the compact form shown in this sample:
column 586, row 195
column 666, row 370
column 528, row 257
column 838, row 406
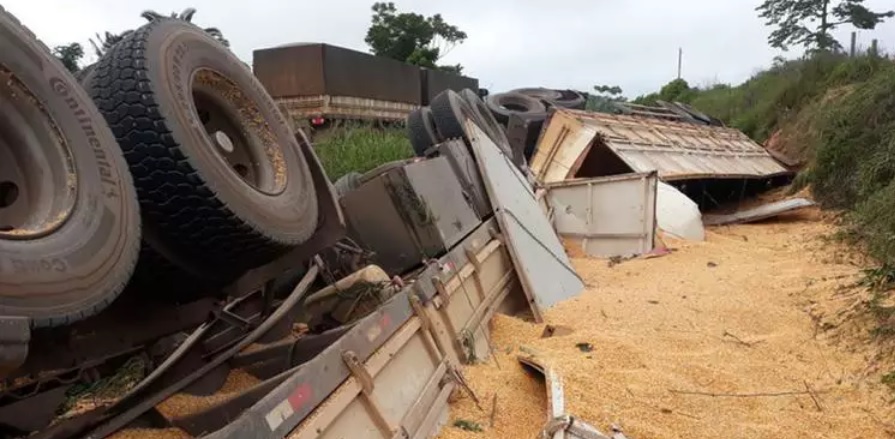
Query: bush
column 771, row 98
column 854, row 165
column 855, row 151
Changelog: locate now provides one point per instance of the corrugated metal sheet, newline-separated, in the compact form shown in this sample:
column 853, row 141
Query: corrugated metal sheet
column 675, row 150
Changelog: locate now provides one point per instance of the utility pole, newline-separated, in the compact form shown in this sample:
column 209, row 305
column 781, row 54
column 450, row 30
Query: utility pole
column 680, row 59
column 854, row 44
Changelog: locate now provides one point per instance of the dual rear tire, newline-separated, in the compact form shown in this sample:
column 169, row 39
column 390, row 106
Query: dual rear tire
column 198, row 159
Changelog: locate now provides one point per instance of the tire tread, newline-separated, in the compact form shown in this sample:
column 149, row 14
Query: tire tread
column 172, row 195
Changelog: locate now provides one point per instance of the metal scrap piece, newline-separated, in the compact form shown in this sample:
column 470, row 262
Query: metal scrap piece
column 764, row 211
column 559, row 424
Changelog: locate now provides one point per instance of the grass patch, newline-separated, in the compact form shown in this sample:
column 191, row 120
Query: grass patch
column 83, row 397
column 880, row 281
column 889, row 380
column 465, row 425
column 360, row 148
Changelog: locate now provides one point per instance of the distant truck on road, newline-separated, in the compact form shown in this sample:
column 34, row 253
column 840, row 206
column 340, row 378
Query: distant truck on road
column 319, row 84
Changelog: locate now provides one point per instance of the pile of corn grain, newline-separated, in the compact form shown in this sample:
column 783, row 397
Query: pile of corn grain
column 757, row 332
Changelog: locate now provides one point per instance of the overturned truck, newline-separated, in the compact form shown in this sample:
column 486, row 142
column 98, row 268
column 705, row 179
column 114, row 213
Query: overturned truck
column 175, row 262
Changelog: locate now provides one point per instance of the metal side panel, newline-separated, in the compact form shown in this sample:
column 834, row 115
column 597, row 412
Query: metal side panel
column 452, row 216
column 461, row 312
column 291, row 402
column 391, row 395
column 606, row 216
column 546, row 272
column 375, row 221
column 410, row 214
column 454, row 260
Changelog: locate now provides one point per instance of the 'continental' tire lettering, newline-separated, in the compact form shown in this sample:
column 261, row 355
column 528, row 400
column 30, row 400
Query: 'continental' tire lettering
column 86, row 125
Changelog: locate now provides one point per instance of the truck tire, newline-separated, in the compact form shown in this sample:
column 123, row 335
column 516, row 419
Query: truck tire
column 485, row 119
column 539, row 93
column 220, row 178
column 421, row 130
column 570, row 99
column 69, row 220
column 450, row 110
column 505, row 104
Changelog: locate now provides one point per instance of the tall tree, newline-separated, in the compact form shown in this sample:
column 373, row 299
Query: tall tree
column 412, row 38
column 605, row 97
column 810, row 23
column 70, row 55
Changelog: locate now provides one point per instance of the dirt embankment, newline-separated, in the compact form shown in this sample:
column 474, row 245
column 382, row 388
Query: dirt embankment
column 759, row 332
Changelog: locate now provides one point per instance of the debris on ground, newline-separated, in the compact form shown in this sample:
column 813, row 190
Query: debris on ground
column 556, row 331
column 585, row 347
column 759, row 213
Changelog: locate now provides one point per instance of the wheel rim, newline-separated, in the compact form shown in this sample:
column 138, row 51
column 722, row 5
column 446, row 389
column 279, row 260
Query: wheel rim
column 38, row 182
column 237, row 132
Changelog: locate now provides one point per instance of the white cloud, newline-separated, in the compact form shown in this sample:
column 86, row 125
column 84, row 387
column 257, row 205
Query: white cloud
column 512, row 43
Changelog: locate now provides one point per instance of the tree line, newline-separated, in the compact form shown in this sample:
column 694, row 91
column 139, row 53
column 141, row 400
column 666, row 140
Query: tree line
column 805, row 23
column 424, row 40
column 405, row 36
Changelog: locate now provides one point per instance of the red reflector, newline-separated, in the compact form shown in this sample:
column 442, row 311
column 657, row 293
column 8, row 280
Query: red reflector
column 317, row 121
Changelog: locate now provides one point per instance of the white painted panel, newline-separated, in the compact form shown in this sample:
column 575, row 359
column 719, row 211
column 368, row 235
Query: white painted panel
column 606, row 216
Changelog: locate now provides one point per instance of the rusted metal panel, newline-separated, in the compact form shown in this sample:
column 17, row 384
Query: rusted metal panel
column 545, row 270
column 437, row 81
column 321, row 69
column 606, row 216
column 675, row 150
column 758, row 213
column 343, row 107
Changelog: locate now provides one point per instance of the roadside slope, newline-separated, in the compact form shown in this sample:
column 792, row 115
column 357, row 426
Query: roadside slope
column 757, row 309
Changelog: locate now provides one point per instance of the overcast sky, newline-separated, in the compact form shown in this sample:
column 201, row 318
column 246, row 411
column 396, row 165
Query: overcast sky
column 512, row 43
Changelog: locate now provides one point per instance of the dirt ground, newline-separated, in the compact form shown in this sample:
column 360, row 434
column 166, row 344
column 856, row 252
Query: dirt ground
column 759, row 332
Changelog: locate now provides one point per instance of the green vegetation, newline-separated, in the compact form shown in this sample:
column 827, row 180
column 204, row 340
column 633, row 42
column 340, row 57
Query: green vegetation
column 604, row 97
column 412, row 38
column 70, row 55
column 889, row 380
column 465, row 425
column 360, row 148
